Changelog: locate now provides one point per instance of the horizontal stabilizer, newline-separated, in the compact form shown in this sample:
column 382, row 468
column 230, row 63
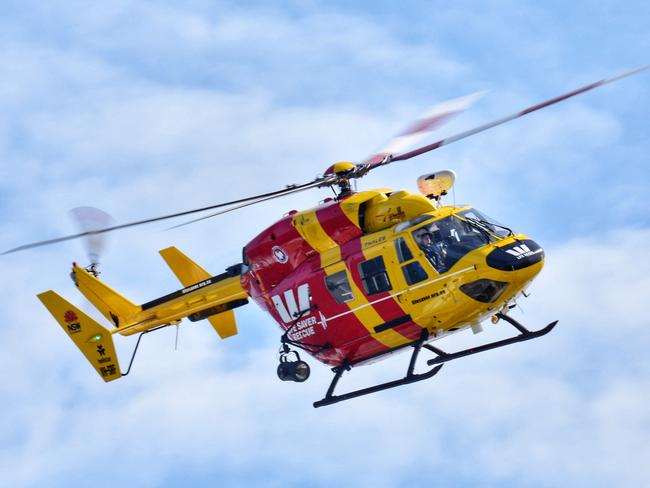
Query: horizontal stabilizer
column 93, row 340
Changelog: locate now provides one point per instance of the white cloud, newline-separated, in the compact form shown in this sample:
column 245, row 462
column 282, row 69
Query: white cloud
column 508, row 415
column 242, row 102
column 600, row 276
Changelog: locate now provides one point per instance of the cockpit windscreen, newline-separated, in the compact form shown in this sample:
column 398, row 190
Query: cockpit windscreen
column 447, row 240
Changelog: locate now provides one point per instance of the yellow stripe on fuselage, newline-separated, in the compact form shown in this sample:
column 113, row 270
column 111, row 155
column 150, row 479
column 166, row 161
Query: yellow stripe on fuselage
column 366, row 314
column 309, row 228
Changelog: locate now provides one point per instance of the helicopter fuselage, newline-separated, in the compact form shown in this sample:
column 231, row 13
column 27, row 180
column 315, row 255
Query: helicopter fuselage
column 352, row 280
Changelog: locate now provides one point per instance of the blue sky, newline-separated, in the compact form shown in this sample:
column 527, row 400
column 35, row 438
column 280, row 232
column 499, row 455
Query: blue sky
column 143, row 108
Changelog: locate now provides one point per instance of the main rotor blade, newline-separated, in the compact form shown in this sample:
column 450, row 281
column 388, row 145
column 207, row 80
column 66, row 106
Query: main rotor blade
column 431, row 120
column 314, row 184
column 252, row 199
column 489, row 125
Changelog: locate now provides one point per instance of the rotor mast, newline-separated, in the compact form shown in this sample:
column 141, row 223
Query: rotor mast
column 343, row 172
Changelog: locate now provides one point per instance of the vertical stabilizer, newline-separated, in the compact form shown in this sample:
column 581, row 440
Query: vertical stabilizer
column 94, row 341
column 224, row 324
column 186, row 270
column 189, row 273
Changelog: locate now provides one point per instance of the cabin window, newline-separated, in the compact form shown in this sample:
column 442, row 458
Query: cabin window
column 403, row 252
column 414, row 273
column 374, row 276
column 339, row 286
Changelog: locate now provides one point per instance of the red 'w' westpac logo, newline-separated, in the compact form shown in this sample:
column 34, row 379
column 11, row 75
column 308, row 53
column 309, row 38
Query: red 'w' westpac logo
column 288, row 309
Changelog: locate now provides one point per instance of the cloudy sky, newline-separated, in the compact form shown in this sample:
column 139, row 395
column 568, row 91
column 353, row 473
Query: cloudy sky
column 143, row 108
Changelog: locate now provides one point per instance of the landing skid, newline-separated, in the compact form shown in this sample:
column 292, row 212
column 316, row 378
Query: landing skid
column 410, row 377
column 525, row 335
column 443, row 357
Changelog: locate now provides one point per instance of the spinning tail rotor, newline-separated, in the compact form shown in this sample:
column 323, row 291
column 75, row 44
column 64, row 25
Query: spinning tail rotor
column 89, row 221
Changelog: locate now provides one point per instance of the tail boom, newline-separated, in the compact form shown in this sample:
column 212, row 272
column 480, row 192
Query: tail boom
column 219, row 294
column 213, row 298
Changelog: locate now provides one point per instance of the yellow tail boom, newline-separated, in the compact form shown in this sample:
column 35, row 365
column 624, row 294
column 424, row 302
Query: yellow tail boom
column 213, row 297
column 110, row 303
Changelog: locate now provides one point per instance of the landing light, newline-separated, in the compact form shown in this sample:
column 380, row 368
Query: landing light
column 485, row 291
column 297, row 371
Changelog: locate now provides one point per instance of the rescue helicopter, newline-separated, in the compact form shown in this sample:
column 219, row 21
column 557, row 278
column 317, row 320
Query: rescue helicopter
column 350, row 281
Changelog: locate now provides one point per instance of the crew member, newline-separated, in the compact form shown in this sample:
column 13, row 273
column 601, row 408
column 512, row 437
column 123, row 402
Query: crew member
column 434, row 249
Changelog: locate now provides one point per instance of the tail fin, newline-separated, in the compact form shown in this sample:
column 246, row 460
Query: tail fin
column 188, row 273
column 93, row 340
column 224, row 323
column 186, row 270
column 111, row 304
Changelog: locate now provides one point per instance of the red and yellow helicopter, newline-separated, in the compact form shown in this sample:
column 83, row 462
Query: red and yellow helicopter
column 350, row 281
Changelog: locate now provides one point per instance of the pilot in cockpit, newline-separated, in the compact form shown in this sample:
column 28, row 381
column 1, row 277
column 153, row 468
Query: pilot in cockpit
column 433, row 246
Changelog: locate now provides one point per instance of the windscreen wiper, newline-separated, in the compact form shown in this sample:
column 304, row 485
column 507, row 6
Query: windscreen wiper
column 487, row 226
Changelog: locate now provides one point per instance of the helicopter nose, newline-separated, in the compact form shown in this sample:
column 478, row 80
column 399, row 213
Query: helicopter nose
column 517, row 255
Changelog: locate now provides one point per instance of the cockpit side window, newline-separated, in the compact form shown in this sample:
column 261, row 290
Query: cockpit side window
column 412, row 269
column 403, row 252
column 414, row 273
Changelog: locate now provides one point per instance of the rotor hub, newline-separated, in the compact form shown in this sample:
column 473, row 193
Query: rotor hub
column 344, row 171
column 342, row 168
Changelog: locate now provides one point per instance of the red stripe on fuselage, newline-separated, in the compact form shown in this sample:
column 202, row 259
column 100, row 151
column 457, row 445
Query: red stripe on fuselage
column 337, row 225
column 386, row 306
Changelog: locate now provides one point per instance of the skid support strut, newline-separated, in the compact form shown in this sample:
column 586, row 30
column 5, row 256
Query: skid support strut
column 443, row 357
column 410, row 377
column 525, row 335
